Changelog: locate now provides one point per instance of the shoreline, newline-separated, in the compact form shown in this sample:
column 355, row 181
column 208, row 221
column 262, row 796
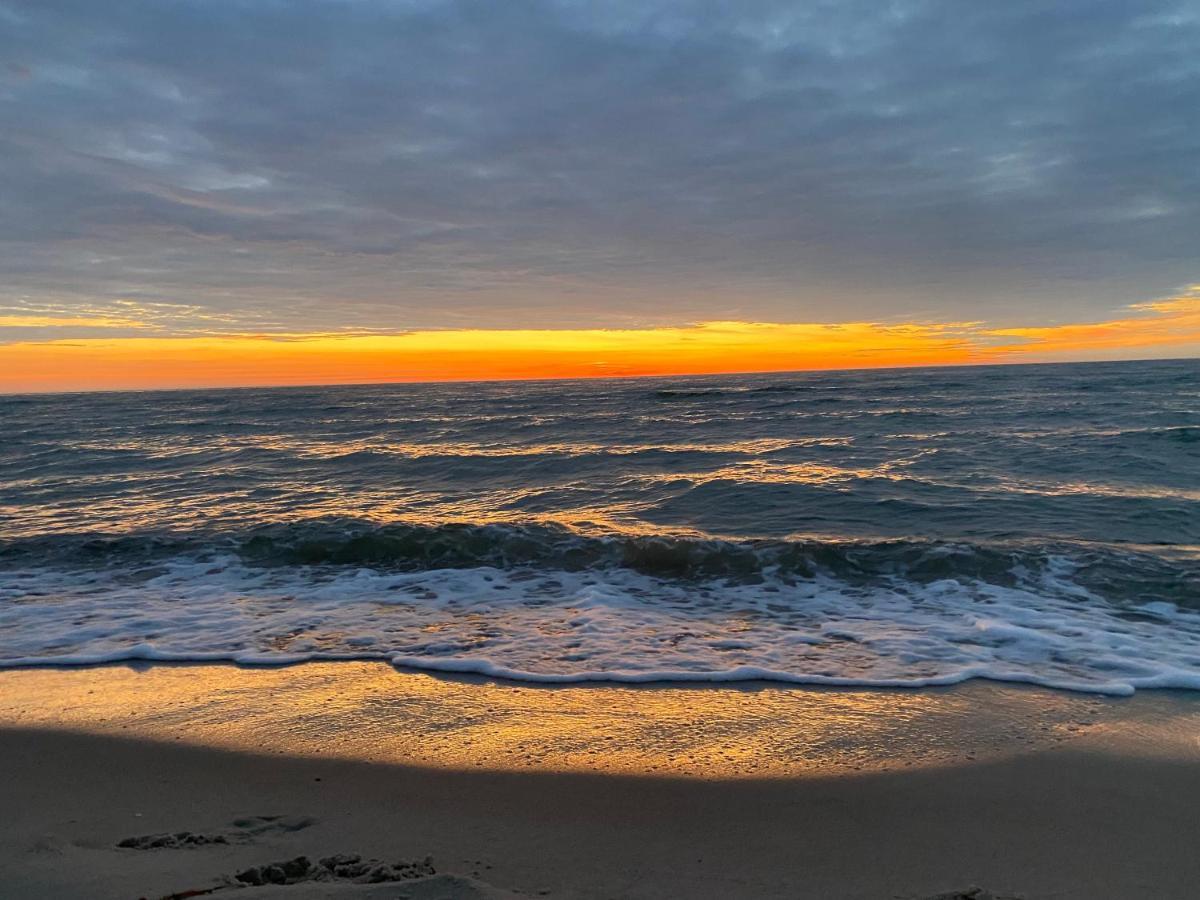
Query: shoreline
column 752, row 676
column 590, row 791
column 374, row 712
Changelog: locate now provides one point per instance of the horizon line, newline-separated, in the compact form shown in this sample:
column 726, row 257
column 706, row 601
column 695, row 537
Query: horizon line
column 1011, row 363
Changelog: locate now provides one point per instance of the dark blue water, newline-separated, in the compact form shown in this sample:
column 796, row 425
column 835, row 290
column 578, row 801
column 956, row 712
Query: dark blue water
column 905, row 526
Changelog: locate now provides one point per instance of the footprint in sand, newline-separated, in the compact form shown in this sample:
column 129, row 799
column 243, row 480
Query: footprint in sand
column 343, row 867
column 243, row 830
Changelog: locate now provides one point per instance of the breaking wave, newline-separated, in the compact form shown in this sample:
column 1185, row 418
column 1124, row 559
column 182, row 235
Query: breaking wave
column 550, row 604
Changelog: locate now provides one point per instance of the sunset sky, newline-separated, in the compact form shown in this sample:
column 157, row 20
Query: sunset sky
column 206, row 193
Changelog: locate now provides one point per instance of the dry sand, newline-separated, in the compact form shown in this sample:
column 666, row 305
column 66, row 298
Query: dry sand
column 586, row 792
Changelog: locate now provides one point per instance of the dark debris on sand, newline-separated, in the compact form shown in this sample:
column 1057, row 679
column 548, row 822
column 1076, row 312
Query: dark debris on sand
column 342, row 867
column 243, row 831
column 171, row 841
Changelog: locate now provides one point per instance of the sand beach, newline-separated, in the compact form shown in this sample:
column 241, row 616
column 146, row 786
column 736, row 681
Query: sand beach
column 172, row 781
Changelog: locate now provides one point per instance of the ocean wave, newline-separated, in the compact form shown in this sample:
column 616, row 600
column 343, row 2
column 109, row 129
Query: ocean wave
column 1119, row 573
column 686, row 394
column 903, row 527
column 1182, row 435
column 619, row 624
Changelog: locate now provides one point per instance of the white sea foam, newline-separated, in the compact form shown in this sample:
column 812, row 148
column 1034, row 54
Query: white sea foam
column 600, row 625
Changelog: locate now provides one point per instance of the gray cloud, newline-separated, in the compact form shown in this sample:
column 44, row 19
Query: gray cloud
column 380, row 163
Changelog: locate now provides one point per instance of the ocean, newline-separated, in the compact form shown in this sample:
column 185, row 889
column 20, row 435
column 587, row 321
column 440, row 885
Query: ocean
column 1033, row 523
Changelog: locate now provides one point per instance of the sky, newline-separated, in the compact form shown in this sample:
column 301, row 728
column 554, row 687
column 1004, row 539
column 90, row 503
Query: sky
column 220, row 192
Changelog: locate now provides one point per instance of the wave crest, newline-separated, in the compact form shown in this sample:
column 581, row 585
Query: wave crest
column 1114, row 573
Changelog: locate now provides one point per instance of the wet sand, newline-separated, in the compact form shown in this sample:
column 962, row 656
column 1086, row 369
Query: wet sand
column 586, row 792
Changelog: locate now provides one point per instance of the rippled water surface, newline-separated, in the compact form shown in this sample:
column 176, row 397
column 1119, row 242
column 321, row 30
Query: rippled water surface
column 1035, row 523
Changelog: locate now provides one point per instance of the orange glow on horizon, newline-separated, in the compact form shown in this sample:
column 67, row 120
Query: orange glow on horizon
column 1161, row 323
column 705, row 348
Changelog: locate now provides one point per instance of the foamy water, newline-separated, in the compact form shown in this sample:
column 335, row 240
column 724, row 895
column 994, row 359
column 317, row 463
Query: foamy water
column 1034, row 524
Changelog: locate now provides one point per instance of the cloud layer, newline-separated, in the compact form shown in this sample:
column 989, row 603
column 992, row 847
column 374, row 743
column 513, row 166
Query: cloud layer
column 319, row 165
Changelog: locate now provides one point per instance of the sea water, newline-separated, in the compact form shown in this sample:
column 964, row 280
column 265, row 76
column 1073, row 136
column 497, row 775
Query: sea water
column 903, row 527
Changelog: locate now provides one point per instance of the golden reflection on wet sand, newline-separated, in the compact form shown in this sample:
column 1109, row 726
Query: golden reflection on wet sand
column 370, row 711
